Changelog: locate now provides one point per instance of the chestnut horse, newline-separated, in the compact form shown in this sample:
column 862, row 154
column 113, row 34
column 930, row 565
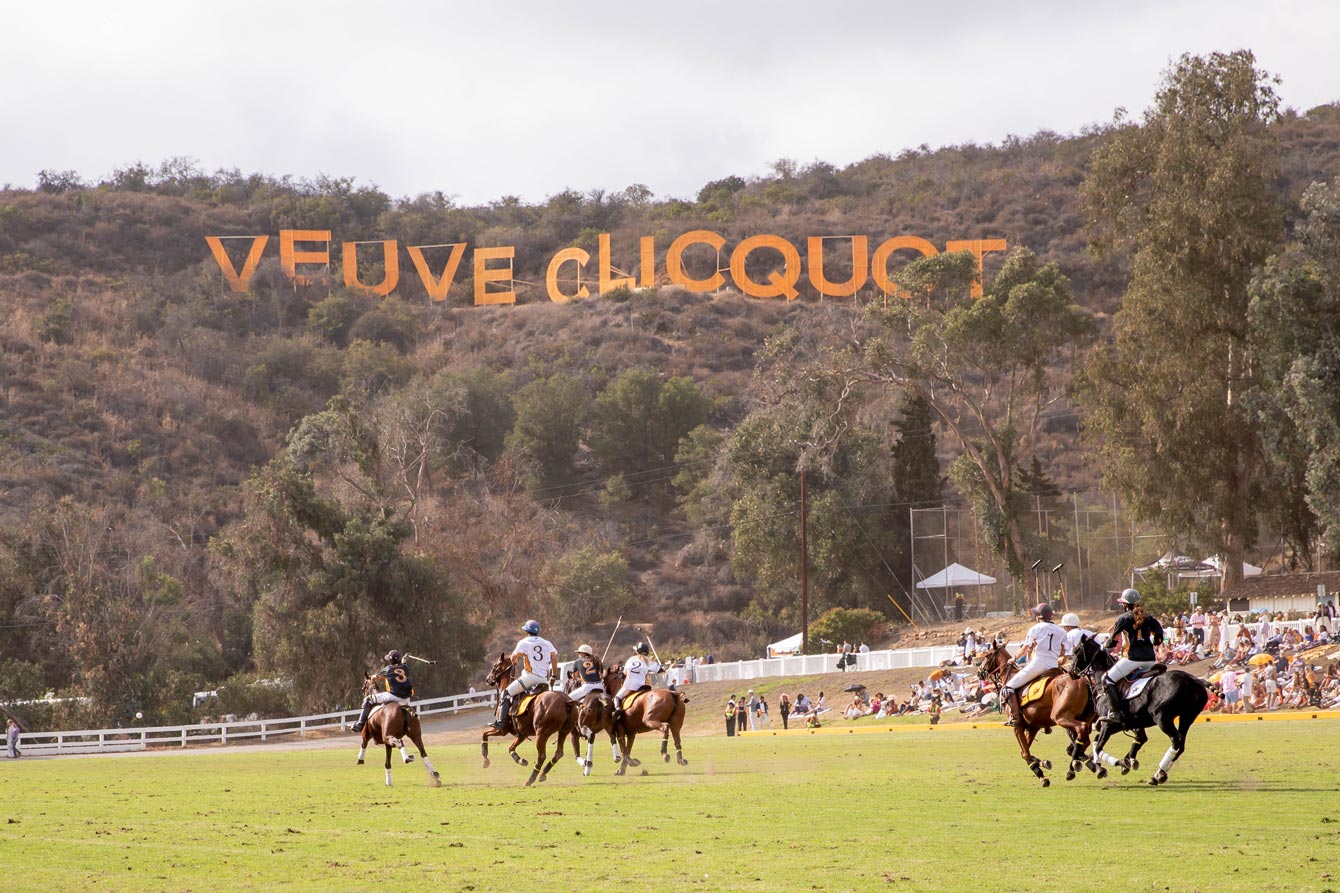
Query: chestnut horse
column 388, row 725
column 1065, row 702
column 659, row 710
column 550, row 713
column 595, row 713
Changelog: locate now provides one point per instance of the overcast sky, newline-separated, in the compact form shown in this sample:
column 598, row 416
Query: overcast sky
column 493, row 98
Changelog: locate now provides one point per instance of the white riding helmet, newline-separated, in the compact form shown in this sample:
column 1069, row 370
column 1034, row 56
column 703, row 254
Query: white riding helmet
column 585, row 649
column 1070, row 620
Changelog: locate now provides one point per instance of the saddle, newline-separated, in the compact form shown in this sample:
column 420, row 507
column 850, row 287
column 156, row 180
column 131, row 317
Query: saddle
column 1035, row 688
column 1135, row 683
column 629, row 699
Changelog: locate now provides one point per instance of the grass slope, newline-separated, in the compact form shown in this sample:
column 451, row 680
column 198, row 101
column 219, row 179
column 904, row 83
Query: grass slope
column 1250, row 808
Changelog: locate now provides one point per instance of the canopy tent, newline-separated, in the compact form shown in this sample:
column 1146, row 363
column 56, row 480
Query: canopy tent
column 789, row 645
column 1248, row 570
column 1174, row 561
column 956, row 575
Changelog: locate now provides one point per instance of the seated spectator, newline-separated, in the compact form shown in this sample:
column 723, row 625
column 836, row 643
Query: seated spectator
column 803, row 705
column 856, row 709
column 821, row 705
column 811, row 720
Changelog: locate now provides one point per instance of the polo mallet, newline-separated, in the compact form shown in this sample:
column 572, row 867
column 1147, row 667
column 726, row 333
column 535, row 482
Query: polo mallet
column 1037, row 586
column 422, row 660
column 611, row 641
column 651, row 643
column 1061, row 580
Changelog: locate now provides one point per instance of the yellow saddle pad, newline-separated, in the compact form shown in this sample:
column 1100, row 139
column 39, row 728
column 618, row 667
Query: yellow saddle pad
column 525, row 703
column 629, row 699
column 1035, row 689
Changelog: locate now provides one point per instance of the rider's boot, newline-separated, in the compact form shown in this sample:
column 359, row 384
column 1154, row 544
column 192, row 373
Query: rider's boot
column 1116, row 711
column 362, row 717
column 1012, row 707
column 504, row 708
column 616, row 712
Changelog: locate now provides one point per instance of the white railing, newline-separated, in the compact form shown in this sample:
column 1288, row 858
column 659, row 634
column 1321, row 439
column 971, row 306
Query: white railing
column 815, row 664
column 238, row 732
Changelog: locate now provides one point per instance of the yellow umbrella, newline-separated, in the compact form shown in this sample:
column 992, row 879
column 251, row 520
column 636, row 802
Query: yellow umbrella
column 1216, row 677
column 1260, row 660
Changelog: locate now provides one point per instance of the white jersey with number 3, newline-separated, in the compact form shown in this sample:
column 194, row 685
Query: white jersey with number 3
column 535, row 655
column 1050, row 641
column 635, row 671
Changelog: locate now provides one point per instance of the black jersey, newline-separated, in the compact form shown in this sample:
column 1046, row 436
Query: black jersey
column 588, row 669
column 396, row 680
column 1140, row 640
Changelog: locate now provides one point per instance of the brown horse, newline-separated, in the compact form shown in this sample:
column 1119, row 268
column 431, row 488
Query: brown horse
column 388, row 725
column 595, row 714
column 550, row 713
column 1065, row 702
column 659, row 710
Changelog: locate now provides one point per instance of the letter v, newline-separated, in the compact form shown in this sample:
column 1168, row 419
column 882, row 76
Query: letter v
column 437, row 288
column 238, row 281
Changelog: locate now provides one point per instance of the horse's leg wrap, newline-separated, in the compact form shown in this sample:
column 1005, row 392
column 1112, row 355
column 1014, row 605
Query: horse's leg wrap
column 363, row 749
column 1107, row 758
column 388, row 778
column 1169, row 758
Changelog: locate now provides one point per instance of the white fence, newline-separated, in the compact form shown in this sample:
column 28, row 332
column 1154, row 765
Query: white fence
column 240, row 732
column 814, row 664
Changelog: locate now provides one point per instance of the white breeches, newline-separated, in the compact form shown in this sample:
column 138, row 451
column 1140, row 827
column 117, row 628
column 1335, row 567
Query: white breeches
column 527, row 680
column 1030, row 671
column 583, row 690
column 1124, row 667
column 386, row 697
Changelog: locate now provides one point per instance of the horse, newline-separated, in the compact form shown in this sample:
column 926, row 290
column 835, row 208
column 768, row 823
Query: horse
column 594, row 715
column 1171, row 701
column 550, row 713
column 1065, row 702
column 660, row 710
column 388, row 724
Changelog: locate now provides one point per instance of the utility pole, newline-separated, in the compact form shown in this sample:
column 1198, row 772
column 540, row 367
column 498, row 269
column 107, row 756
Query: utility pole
column 804, row 576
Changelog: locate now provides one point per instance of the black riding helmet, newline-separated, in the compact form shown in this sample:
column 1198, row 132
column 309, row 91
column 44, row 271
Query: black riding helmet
column 641, row 648
column 394, row 657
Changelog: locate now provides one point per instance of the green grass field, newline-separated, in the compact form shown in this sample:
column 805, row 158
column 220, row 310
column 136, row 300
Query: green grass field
column 1250, row 807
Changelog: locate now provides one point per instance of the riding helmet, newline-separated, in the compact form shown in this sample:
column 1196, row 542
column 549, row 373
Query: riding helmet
column 641, row 648
column 1129, row 597
column 1044, row 611
column 1070, row 620
column 394, row 657
column 585, row 649
column 530, row 626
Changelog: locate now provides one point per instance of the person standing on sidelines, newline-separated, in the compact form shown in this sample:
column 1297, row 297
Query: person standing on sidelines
column 784, row 705
column 1044, row 646
column 1198, row 625
column 753, row 711
column 12, row 731
column 730, row 717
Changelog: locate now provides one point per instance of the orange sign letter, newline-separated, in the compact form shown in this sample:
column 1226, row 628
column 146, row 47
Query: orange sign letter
column 879, row 264
column 483, row 275
column 289, row 257
column 860, row 263
column 437, row 288
column 606, row 282
column 978, row 247
column 237, row 281
column 390, row 266
column 558, row 260
column 779, row 284
column 674, row 261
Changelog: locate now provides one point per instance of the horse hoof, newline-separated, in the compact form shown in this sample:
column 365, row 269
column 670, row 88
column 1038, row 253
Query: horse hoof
column 1125, row 767
column 1101, row 772
column 1046, row 782
column 1070, row 775
column 683, row 762
column 486, row 762
column 409, row 758
column 645, row 773
column 1135, row 764
column 618, row 759
column 437, row 776
column 1154, row 782
column 666, row 757
column 523, row 762
column 1046, row 764
column 360, row 762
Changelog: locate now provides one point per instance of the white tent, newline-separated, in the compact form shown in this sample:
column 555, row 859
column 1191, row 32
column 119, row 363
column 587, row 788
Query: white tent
column 789, row 645
column 955, row 575
column 1248, row 570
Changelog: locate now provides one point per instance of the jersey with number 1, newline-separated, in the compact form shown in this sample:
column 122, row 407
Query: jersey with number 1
column 1050, row 641
column 535, row 654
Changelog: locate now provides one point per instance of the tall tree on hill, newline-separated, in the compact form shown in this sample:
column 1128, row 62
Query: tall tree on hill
column 1190, row 192
column 984, row 367
column 918, row 480
column 1295, row 318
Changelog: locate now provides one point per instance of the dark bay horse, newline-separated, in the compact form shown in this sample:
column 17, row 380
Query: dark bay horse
column 595, row 714
column 388, row 725
column 550, row 713
column 1171, row 701
column 659, row 710
column 1065, row 702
